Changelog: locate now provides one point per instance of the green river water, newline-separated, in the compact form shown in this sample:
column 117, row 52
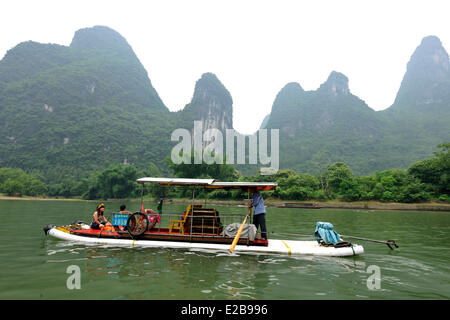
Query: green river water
column 34, row 266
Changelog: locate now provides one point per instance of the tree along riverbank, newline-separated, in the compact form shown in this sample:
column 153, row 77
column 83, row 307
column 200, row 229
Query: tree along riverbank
column 357, row 205
column 423, row 182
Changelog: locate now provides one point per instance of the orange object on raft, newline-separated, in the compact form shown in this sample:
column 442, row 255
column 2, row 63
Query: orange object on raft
column 107, row 228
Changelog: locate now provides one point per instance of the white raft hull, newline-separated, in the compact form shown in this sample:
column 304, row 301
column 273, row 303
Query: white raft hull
column 290, row 247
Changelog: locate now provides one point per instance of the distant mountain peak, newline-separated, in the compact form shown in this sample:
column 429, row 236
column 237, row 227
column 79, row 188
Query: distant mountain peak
column 431, row 41
column 210, row 87
column 427, row 70
column 211, row 103
column 430, row 54
column 99, row 37
column 336, row 84
column 288, row 95
column 292, row 86
column 290, row 89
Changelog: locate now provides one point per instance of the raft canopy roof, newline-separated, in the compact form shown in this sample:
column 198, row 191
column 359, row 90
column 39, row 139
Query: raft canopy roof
column 209, row 183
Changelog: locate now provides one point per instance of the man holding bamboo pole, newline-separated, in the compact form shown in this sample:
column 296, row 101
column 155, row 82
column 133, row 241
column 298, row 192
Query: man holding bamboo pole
column 259, row 217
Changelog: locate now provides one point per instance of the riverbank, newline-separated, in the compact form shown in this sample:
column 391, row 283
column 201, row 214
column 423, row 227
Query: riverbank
column 332, row 204
column 431, row 206
column 39, row 198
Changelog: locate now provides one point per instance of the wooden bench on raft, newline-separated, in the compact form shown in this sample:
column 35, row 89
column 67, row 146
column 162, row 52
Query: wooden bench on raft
column 197, row 220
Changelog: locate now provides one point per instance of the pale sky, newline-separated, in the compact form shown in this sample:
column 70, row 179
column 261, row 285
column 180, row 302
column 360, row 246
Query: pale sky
column 254, row 47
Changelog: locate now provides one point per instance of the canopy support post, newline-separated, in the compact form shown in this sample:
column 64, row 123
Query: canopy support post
column 248, row 222
column 192, row 210
column 142, row 199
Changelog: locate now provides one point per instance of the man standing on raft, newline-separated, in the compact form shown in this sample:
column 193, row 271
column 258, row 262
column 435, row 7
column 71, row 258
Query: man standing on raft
column 259, row 213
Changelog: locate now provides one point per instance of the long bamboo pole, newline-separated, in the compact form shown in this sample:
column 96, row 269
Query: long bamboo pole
column 238, row 234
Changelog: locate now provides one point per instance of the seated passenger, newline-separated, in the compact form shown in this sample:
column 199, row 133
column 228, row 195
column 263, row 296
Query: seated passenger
column 123, row 209
column 98, row 218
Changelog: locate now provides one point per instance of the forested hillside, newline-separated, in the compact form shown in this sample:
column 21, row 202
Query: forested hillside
column 69, row 112
column 331, row 124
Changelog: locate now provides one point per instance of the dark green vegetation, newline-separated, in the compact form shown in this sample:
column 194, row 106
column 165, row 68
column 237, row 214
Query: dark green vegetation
column 15, row 182
column 70, row 111
column 79, row 119
column 425, row 180
column 67, row 112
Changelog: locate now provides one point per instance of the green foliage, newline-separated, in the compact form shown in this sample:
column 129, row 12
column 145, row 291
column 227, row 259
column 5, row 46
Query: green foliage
column 68, row 112
column 12, row 187
column 17, row 182
column 337, row 174
column 116, row 182
column 220, row 194
column 217, row 171
column 295, row 192
column 434, row 172
column 423, row 181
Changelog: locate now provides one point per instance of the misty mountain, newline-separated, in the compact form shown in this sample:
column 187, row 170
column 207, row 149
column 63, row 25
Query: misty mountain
column 211, row 104
column 331, row 124
column 420, row 113
column 324, row 126
column 67, row 111
column 72, row 110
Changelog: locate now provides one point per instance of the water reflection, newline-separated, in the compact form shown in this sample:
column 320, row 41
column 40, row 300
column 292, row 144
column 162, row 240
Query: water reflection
column 202, row 274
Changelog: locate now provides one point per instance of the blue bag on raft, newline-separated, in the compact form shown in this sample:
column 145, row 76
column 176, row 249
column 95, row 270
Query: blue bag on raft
column 324, row 231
